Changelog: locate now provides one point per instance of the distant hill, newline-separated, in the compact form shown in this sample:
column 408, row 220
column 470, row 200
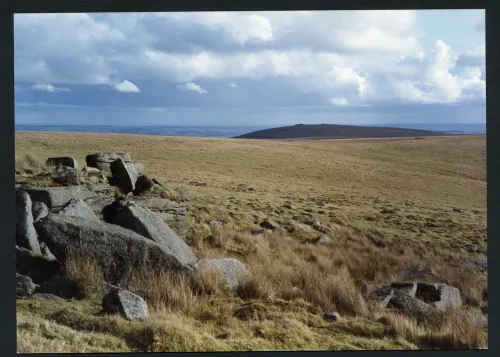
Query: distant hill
column 331, row 131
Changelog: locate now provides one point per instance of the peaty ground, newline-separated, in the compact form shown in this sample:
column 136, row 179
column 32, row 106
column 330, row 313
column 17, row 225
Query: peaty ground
column 387, row 204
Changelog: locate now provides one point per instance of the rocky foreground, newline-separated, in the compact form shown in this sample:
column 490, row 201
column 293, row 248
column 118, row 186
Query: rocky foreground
column 112, row 213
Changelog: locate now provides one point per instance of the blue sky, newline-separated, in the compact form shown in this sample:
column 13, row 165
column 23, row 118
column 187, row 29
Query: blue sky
column 250, row 69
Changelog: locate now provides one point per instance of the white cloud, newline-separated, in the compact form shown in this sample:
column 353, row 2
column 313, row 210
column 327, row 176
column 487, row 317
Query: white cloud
column 362, row 57
column 126, row 87
column 48, row 88
column 193, row 87
column 339, row 101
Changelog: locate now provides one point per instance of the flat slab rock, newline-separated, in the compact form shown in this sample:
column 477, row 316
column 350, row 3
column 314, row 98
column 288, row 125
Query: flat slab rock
column 231, row 271
column 118, row 251
column 130, row 306
column 57, row 197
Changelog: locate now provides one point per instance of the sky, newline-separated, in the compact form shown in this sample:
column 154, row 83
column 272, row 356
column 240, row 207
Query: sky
column 250, row 68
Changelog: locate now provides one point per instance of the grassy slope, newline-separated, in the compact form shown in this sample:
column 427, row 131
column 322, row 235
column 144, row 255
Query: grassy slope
column 379, row 197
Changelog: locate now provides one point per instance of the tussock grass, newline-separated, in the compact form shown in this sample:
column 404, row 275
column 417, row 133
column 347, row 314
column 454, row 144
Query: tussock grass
column 387, row 205
column 29, row 163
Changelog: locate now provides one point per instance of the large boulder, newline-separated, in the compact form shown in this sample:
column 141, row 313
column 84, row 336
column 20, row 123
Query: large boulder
column 78, row 208
column 125, row 175
column 102, row 161
column 118, row 251
column 130, row 306
column 34, row 265
column 232, row 272
column 152, row 226
column 56, row 197
column 24, row 286
column 62, row 161
column 26, row 235
column 39, row 210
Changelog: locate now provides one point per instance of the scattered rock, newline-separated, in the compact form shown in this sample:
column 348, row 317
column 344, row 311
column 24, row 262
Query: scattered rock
column 215, row 222
column 198, row 218
column 232, row 271
column 473, row 248
column 323, row 239
column 272, row 225
column 62, row 161
column 125, row 175
column 130, row 306
column 78, row 208
column 118, row 251
column 39, row 210
column 152, row 226
column 49, row 297
column 26, row 235
column 331, row 316
column 56, row 197
column 416, row 273
column 143, row 184
column 480, row 262
column 24, row 286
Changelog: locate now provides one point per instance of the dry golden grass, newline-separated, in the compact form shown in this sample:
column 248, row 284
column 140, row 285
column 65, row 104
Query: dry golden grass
column 387, row 204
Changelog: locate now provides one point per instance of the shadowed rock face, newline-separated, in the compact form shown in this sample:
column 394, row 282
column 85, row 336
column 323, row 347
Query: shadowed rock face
column 37, row 267
column 26, row 235
column 118, row 251
column 62, row 161
column 152, row 226
column 39, row 210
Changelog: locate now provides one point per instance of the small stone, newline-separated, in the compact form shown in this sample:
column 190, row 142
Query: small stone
column 331, row 316
column 130, row 306
column 324, row 239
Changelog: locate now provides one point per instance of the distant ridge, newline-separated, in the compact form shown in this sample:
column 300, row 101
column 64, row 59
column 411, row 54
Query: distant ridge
column 332, row 131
